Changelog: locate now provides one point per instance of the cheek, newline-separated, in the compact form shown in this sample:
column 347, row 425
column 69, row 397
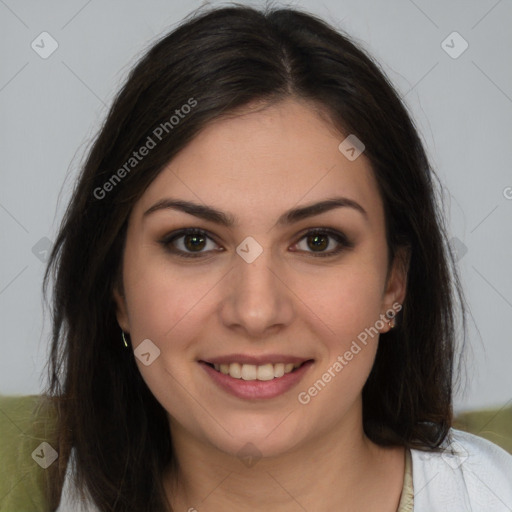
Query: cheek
column 353, row 313
column 334, row 391
column 165, row 307
column 162, row 298
column 351, row 307
column 348, row 300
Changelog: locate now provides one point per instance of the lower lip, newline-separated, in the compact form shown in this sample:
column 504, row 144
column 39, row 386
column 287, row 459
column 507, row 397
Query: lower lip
column 257, row 388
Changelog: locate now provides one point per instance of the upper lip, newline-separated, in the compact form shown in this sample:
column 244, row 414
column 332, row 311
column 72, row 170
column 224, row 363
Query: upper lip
column 256, row 360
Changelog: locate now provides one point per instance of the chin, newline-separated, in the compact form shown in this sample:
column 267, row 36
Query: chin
column 271, row 438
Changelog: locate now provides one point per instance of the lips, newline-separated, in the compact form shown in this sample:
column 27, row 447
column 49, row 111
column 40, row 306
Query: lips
column 256, row 376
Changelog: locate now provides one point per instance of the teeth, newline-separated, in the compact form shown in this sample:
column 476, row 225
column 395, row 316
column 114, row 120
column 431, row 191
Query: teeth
column 278, row 370
column 249, row 372
column 265, row 372
column 253, row 372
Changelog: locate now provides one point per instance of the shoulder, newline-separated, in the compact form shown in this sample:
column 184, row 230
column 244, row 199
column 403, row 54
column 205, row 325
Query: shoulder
column 471, row 473
column 70, row 499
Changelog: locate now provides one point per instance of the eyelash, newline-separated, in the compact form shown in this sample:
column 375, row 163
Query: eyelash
column 336, row 235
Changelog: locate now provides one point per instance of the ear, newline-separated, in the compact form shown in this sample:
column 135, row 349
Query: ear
column 394, row 293
column 121, row 309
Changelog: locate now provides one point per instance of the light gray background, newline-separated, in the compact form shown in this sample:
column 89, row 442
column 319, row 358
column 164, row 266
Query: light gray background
column 51, row 108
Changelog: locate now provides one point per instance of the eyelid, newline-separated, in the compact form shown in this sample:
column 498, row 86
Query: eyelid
column 342, row 240
column 167, row 240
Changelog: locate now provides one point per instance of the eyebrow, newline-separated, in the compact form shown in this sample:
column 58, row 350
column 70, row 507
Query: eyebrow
column 225, row 219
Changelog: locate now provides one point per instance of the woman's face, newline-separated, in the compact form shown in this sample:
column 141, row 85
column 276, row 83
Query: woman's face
column 259, row 288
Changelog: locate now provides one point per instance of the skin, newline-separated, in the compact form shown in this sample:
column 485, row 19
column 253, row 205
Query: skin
column 288, row 301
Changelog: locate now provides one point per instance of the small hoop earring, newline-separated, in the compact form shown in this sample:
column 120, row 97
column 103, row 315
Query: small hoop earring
column 391, row 324
column 124, row 339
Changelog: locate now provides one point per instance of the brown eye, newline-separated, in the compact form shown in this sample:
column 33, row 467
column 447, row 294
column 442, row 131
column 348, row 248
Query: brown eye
column 188, row 243
column 318, row 240
column 193, row 242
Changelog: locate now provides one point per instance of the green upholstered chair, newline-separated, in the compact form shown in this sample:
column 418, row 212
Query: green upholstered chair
column 493, row 424
column 25, row 423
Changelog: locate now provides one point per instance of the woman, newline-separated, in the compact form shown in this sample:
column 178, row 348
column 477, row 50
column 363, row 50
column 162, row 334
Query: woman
column 254, row 300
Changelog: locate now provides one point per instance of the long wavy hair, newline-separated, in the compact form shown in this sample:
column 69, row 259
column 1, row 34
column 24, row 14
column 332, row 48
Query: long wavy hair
column 225, row 59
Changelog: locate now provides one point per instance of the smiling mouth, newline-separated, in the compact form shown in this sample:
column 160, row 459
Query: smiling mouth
column 262, row 372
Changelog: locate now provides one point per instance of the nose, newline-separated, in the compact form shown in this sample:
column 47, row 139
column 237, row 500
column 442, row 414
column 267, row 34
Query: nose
column 258, row 299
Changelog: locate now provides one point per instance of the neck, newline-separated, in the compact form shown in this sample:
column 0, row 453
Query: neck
column 339, row 469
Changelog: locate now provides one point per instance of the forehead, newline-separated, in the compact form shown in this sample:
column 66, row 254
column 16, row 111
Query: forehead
column 258, row 164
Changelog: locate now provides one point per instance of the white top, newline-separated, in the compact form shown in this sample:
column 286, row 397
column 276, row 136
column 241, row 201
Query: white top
column 477, row 477
column 472, row 475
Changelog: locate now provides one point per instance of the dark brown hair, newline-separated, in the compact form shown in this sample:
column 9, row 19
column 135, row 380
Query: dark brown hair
column 223, row 60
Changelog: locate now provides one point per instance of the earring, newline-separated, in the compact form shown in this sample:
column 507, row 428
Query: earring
column 124, row 339
column 391, row 320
